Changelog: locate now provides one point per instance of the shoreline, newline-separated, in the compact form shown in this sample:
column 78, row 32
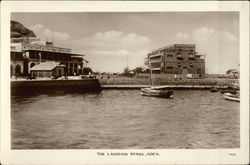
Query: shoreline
column 124, row 83
column 186, row 87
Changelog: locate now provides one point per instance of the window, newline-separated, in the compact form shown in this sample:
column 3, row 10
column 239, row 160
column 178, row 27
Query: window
column 179, row 56
column 169, row 67
column 169, row 55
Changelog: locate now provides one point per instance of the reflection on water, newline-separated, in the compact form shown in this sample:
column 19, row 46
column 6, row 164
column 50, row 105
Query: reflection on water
column 122, row 119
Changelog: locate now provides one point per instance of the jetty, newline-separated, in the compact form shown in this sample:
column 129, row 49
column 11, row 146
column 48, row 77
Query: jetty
column 167, row 86
column 55, row 84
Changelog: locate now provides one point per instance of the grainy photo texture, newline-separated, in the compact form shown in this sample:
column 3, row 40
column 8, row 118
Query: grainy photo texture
column 125, row 80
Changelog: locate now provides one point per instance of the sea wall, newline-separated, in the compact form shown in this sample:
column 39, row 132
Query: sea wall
column 52, row 84
column 169, row 81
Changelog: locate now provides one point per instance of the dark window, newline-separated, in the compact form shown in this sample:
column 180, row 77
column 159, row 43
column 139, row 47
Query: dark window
column 169, row 55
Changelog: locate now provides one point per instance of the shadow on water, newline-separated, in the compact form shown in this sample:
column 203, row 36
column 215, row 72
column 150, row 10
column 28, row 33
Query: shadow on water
column 50, row 92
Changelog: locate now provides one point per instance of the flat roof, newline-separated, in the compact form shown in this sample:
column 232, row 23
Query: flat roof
column 174, row 45
column 46, row 66
column 74, row 54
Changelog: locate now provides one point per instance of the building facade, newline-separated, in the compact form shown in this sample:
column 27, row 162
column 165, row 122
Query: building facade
column 176, row 59
column 28, row 53
column 47, row 69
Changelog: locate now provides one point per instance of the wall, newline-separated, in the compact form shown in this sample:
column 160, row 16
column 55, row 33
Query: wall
column 87, row 84
column 170, row 64
column 41, row 74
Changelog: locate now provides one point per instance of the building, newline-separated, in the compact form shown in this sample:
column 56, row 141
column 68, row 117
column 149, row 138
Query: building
column 176, row 59
column 233, row 73
column 28, row 52
column 48, row 69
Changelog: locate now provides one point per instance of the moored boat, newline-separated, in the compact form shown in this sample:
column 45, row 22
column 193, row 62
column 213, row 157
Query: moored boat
column 162, row 92
column 213, row 89
column 232, row 97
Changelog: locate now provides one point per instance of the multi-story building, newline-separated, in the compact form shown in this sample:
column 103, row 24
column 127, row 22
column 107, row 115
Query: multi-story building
column 27, row 53
column 176, row 59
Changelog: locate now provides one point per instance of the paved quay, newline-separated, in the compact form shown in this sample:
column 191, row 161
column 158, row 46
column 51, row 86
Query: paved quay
column 168, row 86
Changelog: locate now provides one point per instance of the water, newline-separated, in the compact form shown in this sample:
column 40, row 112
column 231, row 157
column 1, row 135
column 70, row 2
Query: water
column 123, row 119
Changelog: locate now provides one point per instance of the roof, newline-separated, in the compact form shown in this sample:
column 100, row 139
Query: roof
column 174, row 45
column 46, row 66
column 232, row 71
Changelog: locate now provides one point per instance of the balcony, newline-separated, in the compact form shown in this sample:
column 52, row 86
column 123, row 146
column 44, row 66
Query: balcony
column 191, row 56
column 155, row 60
column 179, row 57
column 155, row 55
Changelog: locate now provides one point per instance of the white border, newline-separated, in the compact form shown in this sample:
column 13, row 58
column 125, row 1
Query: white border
column 173, row 156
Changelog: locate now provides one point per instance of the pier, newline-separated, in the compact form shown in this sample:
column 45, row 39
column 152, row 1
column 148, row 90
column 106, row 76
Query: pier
column 168, row 86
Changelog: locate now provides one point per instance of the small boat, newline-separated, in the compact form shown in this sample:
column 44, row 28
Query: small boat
column 235, row 86
column 232, row 97
column 233, row 91
column 162, row 92
column 156, row 91
column 213, row 89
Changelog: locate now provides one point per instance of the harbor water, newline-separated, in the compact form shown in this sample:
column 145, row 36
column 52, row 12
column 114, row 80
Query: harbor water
column 123, row 119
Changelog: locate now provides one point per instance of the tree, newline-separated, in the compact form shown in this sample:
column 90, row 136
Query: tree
column 87, row 70
column 138, row 70
column 126, row 72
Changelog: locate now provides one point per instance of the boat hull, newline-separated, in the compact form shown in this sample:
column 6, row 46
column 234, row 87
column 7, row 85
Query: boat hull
column 232, row 97
column 157, row 93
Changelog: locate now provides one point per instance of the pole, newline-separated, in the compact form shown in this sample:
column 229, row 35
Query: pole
column 40, row 57
column 150, row 68
column 127, row 60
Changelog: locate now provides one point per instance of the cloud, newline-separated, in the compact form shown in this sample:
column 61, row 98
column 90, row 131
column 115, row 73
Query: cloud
column 113, row 49
column 221, row 47
column 116, row 53
column 115, row 60
column 113, row 39
column 132, row 38
column 45, row 33
column 202, row 34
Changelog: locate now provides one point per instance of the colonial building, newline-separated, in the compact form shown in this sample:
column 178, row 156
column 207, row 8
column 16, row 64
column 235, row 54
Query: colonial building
column 176, row 59
column 48, row 69
column 28, row 52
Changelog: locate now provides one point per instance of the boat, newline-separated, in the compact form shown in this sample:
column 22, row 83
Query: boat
column 233, row 91
column 160, row 91
column 213, row 89
column 156, row 91
column 232, row 88
column 232, row 97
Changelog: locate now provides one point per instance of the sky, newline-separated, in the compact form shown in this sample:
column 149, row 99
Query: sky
column 113, row 40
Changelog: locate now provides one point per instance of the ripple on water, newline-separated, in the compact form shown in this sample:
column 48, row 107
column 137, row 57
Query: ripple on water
column 123, row 119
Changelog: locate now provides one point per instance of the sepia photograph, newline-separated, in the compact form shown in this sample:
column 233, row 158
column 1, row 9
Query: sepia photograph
column 125, row 80
column 126, row 83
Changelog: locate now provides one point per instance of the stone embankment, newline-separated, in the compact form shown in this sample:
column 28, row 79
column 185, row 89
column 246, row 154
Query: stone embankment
column 136, row 83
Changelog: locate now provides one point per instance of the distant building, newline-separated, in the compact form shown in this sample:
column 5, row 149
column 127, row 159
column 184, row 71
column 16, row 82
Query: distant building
column 48, row 69
column 233, row 73
column 176, row 59
column 28, row 52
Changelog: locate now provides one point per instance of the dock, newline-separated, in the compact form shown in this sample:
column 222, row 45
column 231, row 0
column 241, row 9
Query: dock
column 168, row 86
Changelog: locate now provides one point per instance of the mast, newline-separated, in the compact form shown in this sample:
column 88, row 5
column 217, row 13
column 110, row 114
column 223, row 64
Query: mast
column 150, row 68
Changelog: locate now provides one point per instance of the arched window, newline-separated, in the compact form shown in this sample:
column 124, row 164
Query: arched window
column 32, row 64
column 179, row 56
